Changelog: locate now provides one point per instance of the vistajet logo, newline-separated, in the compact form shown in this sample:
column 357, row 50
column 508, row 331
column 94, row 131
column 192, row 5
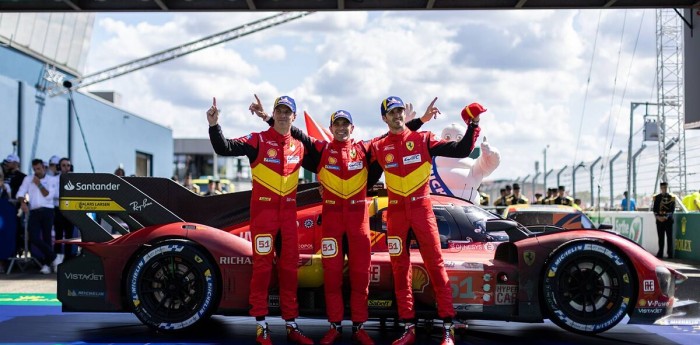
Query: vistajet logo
column 91, row 186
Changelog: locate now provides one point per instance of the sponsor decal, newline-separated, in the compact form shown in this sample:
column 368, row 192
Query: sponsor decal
column 235, row 260
column 292, row 159
column 388, row 148
column 529, row 257
column 332, row 160
column 263, row 244
column 470, row 246
column 90, row 204
column 630, row 227
column 392, row 165
column 353, row 154
column 136, row 206
column 81, row 293
column 271, row 160
column 309, row 223
column 264, row 198
column 329, row 247
column 79, row 186
column 420, row 278
column 305, row 246
column 648, row 285
column 506, row 294
column 355, row 165
column 684, row 245
column 410, row 145
column 288, row 199
column 393, row 202
column 330, row 202
column 379, row 303
column 374, row 273
column 394, row 243
column 83, row 276
column 272, row 143
column 389, row 158
column 650, row 310
column 468, row 307
column 292, row 146
column 331, row 167
column 412, row 159
column 653, row 303
column 271, row 154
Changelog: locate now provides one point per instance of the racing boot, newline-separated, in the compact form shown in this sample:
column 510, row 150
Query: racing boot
column 333, row 334
column 263, row 335
column 408, row 337
column 448, row 335
column 294, row 335
column 361, row 337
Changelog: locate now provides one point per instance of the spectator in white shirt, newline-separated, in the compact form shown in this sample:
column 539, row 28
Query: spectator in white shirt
column 35, row 196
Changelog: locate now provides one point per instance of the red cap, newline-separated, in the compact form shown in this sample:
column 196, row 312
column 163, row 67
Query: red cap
column 471, row 111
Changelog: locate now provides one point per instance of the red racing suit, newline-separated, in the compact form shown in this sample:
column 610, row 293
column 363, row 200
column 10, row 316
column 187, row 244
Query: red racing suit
column 275, row 160
column 406, row 159
column 344, row 172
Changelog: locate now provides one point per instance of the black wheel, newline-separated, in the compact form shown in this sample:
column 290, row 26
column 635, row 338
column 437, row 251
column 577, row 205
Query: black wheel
column 173, row 285
column 587, row 287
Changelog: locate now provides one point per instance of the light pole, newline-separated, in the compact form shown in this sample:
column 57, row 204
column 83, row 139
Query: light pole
column 633, row 106
column 593, row 177
column 525, row 182
column 544, row 184
column 573, row 177
column 612, row 195
column 634, row 173
column 534, row 180
column 559, row 175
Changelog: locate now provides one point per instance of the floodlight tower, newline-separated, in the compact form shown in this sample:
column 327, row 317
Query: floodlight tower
column 669, row 76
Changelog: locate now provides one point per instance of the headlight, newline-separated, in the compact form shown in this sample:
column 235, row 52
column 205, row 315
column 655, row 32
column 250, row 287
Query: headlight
column 663, row 275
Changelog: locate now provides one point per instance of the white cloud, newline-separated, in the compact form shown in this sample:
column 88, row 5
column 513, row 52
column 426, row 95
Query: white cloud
column 274, row 52
column 529, row 68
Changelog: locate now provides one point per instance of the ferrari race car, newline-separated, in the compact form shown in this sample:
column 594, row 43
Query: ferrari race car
column 151, row 247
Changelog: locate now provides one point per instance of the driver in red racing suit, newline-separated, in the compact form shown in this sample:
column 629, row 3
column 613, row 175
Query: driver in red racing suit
column 406, row 158
column 275, row 158
column 343, row 171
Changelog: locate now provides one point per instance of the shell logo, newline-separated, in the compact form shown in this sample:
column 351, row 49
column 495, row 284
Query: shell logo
column 332, row 160
column 642, row 302
column 271, row 153
column 389, row 158
column 420, row 279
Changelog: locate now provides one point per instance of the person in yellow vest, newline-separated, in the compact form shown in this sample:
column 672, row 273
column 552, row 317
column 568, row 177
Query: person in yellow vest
column 562, row 198
column 502, row 200
column 551, row 196
column 692, row 202
column 485, row 198
column 516, row 198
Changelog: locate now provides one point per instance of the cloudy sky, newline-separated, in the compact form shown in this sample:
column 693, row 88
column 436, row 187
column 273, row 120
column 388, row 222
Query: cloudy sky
column 558, row 78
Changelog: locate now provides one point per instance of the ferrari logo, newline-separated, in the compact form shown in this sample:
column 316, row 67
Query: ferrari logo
column 410, row 145
column 529, row 257
column 353, row 154
column 291, row 146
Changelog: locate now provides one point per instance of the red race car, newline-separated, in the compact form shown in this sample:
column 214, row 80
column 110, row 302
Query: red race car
column 151, row 247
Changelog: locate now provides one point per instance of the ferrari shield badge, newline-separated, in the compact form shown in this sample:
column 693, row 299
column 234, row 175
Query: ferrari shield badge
column 529, row 257
column 410, row 145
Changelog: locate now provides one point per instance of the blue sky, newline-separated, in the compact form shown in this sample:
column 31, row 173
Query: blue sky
column 535, row 71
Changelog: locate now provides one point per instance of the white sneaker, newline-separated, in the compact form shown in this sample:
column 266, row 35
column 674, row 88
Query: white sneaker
column 45, row 269
column 57, row 261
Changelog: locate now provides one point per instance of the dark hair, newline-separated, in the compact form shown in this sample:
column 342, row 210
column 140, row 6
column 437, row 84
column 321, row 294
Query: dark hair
column 36, row 161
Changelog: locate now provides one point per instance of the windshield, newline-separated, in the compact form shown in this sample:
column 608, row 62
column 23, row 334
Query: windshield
column 566, row 220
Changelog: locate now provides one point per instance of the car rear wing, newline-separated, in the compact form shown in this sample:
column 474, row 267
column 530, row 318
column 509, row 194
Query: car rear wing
column 101, row 204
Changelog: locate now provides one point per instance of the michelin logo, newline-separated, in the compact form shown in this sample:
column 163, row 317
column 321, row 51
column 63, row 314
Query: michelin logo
column 90, row 186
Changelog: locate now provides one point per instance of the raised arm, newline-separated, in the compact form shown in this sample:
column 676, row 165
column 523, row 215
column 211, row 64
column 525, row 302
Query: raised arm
column 229, row 147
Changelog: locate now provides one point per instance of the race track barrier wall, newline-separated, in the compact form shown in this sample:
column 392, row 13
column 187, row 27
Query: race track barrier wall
column 641, row 228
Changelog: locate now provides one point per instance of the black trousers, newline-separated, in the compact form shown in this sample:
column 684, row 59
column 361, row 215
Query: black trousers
column 665, row 232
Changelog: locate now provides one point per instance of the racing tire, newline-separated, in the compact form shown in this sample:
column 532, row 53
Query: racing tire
column 587, row 287
column 173, row 285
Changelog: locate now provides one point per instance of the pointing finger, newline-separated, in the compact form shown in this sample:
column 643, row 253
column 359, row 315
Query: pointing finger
column 214, row 102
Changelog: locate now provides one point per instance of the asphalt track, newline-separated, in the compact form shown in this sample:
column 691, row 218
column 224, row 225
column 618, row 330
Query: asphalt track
column 35, row 317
